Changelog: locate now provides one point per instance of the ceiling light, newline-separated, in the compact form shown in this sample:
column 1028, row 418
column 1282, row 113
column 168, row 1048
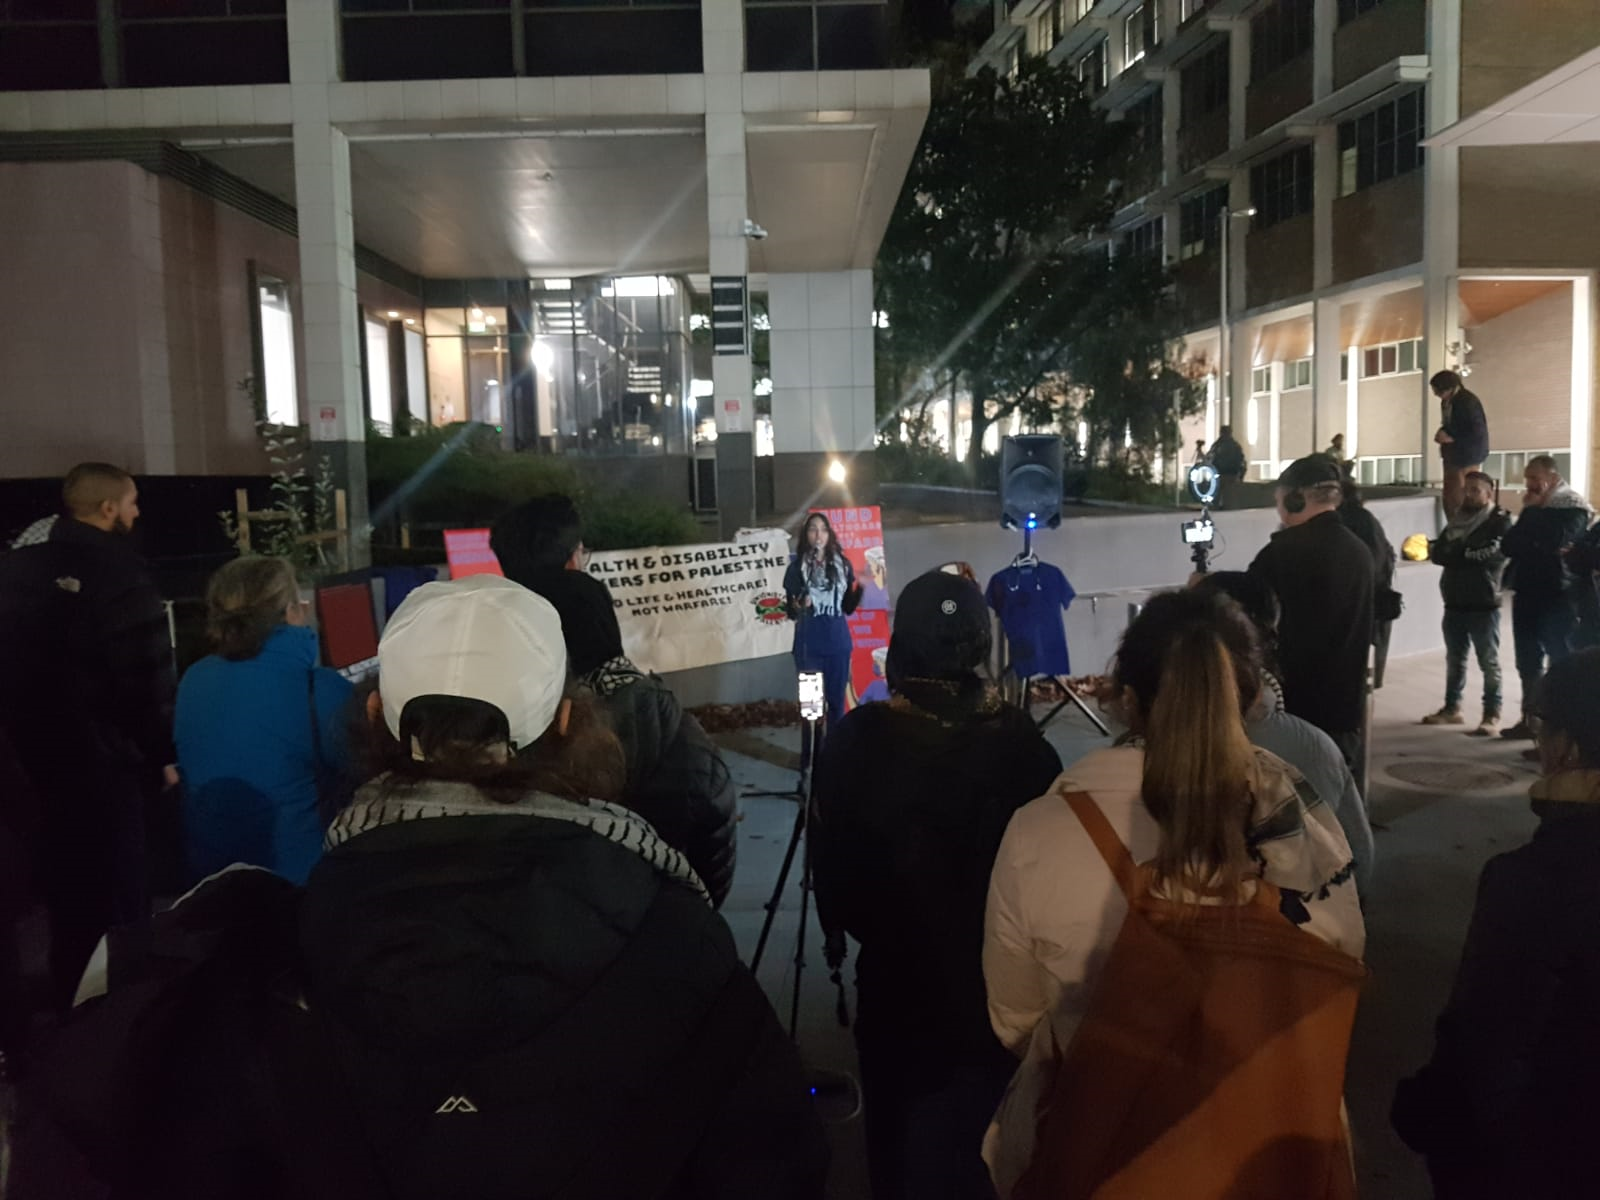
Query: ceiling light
column 411, row 320
column 477, row 314
column 488, row 320
column 392, row 315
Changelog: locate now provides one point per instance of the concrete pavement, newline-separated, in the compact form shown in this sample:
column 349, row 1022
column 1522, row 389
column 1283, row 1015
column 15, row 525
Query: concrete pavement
column 1443, row 803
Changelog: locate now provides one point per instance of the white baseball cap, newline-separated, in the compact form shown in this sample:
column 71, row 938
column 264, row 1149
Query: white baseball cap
column 481, row 638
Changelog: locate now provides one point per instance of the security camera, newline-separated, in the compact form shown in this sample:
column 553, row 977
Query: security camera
column 753, row 231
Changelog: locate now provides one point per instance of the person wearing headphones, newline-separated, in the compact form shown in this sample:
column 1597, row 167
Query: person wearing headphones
column 1323, row 577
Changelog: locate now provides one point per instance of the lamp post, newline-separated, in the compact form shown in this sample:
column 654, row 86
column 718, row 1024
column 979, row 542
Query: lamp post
column 1225, row 219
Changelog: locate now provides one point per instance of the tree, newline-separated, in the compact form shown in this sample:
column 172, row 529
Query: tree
column 987, row 276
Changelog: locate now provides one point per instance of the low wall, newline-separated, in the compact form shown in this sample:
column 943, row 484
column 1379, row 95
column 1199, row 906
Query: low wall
column 1112, row 561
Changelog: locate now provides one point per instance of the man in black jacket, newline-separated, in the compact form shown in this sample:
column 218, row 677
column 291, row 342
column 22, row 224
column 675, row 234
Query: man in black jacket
column 1463, row 435
column 676, row 777
column 1543, row 612
column 1470, row 554
column 1227, row 457
column 1323, row 577
column 86, row 659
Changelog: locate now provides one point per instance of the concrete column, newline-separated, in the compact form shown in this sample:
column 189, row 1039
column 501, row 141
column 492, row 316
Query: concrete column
column 329, row 318
column 822, row 387
column 1325, row 190
column 1325, row 19
column 1328, row 409
column 1238, row 80
column 1171, row 113
column 1238, row 301
column 727, row 207
column 1441, row 221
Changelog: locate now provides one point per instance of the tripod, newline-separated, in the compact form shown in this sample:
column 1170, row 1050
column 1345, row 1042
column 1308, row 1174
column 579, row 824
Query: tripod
column 798, row 842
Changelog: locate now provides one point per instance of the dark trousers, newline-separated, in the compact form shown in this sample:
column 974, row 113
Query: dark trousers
column 1478, row 632
column 835, row 670
column 924, row 1115
column 93, row 870
column 1540, row 630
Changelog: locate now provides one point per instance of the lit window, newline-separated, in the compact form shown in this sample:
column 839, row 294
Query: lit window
column 282, row 401
column 1260, row 381
column 380, row 387
column 1133, row 42
column 1297, row 374
column 1392, row 358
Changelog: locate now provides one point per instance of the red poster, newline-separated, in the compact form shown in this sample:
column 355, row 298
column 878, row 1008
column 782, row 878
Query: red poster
column 860, row 533
column 469, row 553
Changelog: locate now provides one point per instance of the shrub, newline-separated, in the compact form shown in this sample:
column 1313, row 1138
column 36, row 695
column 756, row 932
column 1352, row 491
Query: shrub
column 460, row 476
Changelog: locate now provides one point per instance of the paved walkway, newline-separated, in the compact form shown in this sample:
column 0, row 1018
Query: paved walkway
column 1433, row 838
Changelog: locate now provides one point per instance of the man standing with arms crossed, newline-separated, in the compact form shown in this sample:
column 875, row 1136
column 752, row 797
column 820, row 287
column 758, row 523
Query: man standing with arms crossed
column 1322, row 575
column 1543, row 606
column 1463, row 436
column 86, row 693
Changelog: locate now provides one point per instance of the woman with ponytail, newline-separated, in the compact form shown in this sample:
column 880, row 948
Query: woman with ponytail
column 260, row 727
column 1206, row 822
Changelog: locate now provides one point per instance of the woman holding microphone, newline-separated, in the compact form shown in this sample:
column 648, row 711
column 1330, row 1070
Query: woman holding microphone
column 822, row 592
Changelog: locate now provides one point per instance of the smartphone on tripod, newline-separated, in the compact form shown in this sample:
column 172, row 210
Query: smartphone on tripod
column 813, row 701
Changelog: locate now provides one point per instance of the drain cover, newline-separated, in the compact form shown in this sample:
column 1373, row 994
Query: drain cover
column 1442, row 776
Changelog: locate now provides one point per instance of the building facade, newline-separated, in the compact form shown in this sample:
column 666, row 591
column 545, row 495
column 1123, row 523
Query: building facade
column 1359, row 258
column 357, row 215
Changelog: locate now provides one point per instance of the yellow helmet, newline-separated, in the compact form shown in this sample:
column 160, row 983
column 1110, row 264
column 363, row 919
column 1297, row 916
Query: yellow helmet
column 1415, row 548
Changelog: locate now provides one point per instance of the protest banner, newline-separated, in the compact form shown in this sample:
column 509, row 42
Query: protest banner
column 860, row 534
column 681, row 607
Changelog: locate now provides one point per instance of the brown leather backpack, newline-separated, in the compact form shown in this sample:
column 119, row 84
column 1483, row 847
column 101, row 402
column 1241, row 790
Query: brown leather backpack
column 1210, row 1065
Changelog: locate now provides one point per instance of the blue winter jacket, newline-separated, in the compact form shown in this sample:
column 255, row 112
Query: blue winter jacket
column 249, row 757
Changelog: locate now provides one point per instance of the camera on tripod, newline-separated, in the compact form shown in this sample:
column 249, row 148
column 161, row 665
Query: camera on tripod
column 1200, row 534
column 813, row 701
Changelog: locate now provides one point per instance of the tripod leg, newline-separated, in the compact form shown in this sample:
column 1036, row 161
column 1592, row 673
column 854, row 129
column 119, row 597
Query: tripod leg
column 800, row 938
column 1094, row 717
column 777, row 891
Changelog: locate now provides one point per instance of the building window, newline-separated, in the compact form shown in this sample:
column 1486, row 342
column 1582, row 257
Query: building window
column 1191, row 8
column 1147, row 239
column 1297, row 374
column 1093, row 69
column 280, row 396
column 1260, row 381
column 1281, row 187
column 1046, row 32
column 1381, row 144
column 1392, row 358
column 1204, row 85
column 1133, row 37
column 1390, row 468
column 1281, row 33
column 1349, row 10
column 1013, row 60
column 1197, row 222
column 1508, row 466
column 1080, row 8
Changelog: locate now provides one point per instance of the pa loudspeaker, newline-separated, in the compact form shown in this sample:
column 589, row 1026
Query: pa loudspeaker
column 1030, row 481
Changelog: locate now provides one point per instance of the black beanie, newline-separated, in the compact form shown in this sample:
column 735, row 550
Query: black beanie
column 941, row 629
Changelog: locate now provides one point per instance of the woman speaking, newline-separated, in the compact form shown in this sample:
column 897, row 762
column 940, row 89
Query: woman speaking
column 822, row 591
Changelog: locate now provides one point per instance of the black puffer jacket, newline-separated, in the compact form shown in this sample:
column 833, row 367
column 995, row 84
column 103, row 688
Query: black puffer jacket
column 677, row 780
column 501, row 1005
column 1539, row 573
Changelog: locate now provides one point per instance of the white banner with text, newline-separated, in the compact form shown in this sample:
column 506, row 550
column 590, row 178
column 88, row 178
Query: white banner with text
column 696, row 606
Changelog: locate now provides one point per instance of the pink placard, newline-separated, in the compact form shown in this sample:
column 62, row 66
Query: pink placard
column 469, row 553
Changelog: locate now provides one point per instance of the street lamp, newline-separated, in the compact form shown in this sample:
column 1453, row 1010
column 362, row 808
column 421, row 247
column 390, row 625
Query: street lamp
column 1225, row 219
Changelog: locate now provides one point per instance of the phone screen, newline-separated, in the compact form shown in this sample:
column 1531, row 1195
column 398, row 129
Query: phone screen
column 811, row 699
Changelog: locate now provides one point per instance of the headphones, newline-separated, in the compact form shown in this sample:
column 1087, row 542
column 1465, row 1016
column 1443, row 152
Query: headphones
column 1294, row 502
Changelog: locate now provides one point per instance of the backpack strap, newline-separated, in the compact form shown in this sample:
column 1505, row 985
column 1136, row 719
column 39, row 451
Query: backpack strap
column 1123, row 869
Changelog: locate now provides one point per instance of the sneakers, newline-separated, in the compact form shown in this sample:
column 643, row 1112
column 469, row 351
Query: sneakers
column 1488, row 727
column 1518, row 732
column 1448, row 715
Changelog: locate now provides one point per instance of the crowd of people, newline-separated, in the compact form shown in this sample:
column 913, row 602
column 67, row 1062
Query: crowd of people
column 458, row 932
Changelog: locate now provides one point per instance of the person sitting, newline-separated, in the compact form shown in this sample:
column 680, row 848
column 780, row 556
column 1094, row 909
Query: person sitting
column 1299, row 743
column 1218, row 822
column 912, row 797
column 1502, row 1107
column 544, row 533
column 260, row 727
column 676, row 778
column 497, row 983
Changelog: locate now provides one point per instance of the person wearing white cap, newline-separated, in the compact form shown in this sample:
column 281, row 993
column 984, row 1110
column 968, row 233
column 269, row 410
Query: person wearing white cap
column 485, row 899
column 505, row 985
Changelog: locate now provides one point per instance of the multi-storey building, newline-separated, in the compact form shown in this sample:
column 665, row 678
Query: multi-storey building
column 491, row 210
column 1365, row 249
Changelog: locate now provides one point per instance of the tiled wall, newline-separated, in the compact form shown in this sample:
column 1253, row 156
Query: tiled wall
column 1522, row 371
column 822, row 361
